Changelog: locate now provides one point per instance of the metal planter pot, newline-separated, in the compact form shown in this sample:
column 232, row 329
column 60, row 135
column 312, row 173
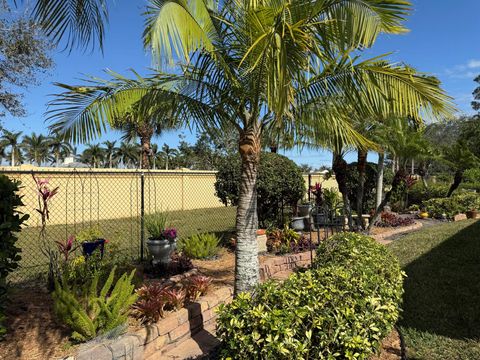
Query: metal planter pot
column 298, row 223
column 304, row 210
column 161, row 250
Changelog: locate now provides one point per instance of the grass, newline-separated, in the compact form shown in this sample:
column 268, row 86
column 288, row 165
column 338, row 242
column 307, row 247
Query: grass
column 123, row 232
column 441, row 318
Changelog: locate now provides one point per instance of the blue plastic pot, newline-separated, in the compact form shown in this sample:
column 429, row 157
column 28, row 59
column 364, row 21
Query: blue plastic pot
column 88, row 247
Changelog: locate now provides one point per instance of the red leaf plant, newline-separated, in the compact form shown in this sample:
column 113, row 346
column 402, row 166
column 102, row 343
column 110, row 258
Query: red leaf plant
column 174, row 297
column 197, row 286
column 149, row 307
column 67, row 247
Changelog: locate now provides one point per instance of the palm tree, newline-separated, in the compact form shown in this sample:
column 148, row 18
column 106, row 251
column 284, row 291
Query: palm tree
column 12, row 140
column 249, row 65
column 35, row 148
column 110, row 152
column 167, row 153
column 59, row 147
column 128, row 154
column 459, row 158
column 154, row 155
column 93, row 155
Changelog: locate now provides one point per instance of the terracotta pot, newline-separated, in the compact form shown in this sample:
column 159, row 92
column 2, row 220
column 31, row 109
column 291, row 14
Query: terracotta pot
column 471, row 214
column 261, row 232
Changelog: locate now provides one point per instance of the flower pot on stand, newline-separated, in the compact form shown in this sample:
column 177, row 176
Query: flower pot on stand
column 304, row 210
column 161, row 250
column 298, row 223
column 88, row 247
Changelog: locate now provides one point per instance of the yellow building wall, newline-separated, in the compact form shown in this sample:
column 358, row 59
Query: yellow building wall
column 98, row 194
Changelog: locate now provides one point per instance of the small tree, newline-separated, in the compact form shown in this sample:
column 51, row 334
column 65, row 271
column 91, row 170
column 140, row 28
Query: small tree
column 280, row 183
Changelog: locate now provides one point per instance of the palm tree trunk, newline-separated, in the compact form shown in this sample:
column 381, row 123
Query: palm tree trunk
column 398, row 179
column 166, row 163
column 145, row 134
column 57, row 159
column 361, row 167
column 380, row 168
column 246, row 254
column 339, row 167
column 12, row 161
column 457, row 180
column 412, row 169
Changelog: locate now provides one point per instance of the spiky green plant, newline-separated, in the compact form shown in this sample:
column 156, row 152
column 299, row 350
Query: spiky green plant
column 200, row 246
column 155, row 224
column 95, row 313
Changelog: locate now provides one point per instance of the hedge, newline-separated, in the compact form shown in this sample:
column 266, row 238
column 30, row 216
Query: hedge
column 341, row 308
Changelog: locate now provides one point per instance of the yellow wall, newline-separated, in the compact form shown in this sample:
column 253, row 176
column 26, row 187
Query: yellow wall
column 94, row 194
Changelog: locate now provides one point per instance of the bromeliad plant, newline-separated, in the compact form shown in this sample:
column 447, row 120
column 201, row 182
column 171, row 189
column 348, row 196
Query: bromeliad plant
column 45, row 194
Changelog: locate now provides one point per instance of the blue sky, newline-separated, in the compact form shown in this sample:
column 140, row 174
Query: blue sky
column 443, row 40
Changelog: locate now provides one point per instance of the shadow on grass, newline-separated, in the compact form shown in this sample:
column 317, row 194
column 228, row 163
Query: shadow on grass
column 442, row 290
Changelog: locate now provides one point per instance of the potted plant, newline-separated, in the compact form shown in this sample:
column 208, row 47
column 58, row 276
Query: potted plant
column 304, row 209
column 162, row 241
column 91, row 239
column 471, row 214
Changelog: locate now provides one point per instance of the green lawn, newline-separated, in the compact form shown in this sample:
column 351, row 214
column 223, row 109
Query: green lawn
column 124, row 231
column 441, row 318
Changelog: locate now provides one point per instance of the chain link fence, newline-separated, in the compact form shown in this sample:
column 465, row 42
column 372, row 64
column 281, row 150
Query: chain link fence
column 115, row 201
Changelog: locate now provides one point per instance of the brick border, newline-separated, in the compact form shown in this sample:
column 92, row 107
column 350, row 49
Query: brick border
column 382, row 238
column 183, row 324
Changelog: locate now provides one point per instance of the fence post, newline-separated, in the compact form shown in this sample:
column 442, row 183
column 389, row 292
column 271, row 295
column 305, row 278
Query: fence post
column 142, row 214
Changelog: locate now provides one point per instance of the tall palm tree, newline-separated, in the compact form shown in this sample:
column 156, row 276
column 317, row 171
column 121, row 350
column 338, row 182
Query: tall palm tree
column 11, row 140
column 35, row 148
column 249, row 65
column 110, row 152
column 167, row 153
column 59, row 147
column 93, row 155
column 154, row 155
column 128, row 154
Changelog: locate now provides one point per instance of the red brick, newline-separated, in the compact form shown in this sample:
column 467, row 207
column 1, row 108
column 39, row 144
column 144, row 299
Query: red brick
column 168, row 324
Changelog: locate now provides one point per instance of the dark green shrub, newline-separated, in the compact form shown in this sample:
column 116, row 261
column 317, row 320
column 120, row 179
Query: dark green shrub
column 453, row 205
column 342, row 308
column 417, row 194
column 199, row 246
column 95, row 313
column 471, row 175
column 280, row 184
column 11, row 221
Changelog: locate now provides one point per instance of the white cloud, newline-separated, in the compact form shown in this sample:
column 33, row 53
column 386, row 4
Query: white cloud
column 473, row 64
column 469, row 70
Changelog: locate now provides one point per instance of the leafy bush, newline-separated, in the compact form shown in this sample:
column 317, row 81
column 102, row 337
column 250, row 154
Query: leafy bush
column 286, row 240
column 199, row 246
column 11, row 221
column 472, row 175
column 453, row 205
column 389, row 219
column 342, row 308
column 93, row 313
column 417, row 194
column 89, row 234
column 279, row 183
column 197, row 286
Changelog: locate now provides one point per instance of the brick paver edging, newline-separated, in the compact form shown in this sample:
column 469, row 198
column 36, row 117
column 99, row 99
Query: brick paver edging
column 382, row 238
column 183, row 324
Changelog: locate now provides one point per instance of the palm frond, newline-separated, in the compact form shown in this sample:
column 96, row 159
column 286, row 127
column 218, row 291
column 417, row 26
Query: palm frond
column 79, row 22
